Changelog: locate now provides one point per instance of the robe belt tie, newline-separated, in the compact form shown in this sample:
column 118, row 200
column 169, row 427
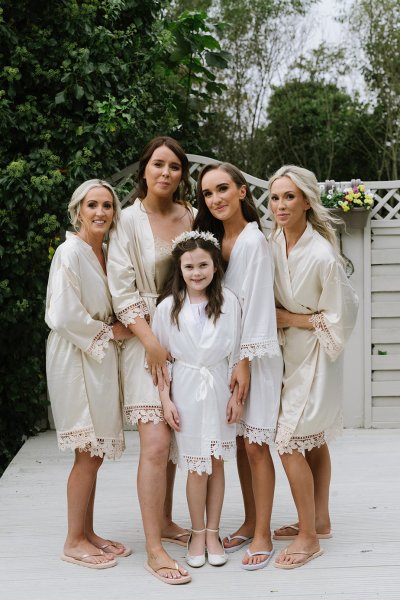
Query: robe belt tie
column 207, row 379
column 149, row 295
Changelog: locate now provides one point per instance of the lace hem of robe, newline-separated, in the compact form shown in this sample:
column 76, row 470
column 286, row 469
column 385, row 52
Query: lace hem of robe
column 325, row 337
column 129, row 315
column 85, row 440
column 256, row 435
column 285, row 441
column 259, row 349
column 144, row 413
column 203, row 464
column 98, row 346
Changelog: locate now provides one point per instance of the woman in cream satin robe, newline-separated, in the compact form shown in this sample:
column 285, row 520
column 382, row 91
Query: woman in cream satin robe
column 316, row 313
column 82, row 366
column 139, row 263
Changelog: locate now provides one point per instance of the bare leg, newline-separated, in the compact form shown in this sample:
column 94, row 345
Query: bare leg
column 112, row 548
column 243, row 466
column 302, row 486
column 263, row 477
column 80, row 486
column 215, row 499
column 169, row 529
column 319, row 462
column 196, row 493
column 151, row 485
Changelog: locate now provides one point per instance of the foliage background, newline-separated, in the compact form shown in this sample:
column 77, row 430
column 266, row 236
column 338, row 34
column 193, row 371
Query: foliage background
column 83, row 86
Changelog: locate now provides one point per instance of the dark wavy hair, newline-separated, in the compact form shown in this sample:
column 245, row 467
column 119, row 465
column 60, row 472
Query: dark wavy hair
column 184, row 188
column 176, row 286
column 204, row 220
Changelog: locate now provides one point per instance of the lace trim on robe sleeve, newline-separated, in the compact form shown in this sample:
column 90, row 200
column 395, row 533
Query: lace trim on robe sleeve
column 129, row 315
column 259, row 349
column 99, row 343
column 325, row 338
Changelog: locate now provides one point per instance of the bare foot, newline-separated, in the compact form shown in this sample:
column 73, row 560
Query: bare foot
column 164, row 565
column 245, row 530
column 174, row 533
column 291, row 531
column 109, row 546
column 93, row 555
column 298, row 551
column 258, row 545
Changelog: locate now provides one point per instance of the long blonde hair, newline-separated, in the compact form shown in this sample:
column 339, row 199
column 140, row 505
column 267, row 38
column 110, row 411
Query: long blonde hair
column 318, row 215
column 79, row 195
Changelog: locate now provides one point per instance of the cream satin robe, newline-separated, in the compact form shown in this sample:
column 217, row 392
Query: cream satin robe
column 204, row 358
column 81, row 358
column 250, row 276
column 137, row 267
column 311, row 281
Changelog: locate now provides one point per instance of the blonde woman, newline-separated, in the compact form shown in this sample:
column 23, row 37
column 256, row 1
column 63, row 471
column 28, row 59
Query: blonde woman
column 316, row 312
column 82, row 366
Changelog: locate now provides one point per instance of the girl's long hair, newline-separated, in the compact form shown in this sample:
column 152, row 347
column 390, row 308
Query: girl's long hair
column 204, row 220
column 318, row 215
column 184, row 188
column 176, row 286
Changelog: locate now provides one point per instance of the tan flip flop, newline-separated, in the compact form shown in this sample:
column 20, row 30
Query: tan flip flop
column 308, row 556
column 182, row 579
column 81, row 560
column 320, row 536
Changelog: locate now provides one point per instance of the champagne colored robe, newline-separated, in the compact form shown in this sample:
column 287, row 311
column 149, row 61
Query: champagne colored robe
column 138, row 266
column 312, row 281
column 81, row 358
column 200, row 381
column 250, row 276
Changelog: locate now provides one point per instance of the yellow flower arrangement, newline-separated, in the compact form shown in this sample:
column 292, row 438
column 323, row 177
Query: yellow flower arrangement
column 356, row 196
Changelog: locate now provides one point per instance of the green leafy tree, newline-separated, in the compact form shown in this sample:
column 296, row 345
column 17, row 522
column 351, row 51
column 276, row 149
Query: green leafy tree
column 376, row 29
column 318, row 126
column 83, row 85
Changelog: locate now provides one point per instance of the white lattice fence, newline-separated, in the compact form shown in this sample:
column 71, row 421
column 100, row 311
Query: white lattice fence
column 372, row 358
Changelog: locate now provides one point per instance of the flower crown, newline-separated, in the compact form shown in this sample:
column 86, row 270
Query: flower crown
column 194, row 235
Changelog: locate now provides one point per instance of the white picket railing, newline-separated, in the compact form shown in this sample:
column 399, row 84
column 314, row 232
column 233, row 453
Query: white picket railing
column 372, row 357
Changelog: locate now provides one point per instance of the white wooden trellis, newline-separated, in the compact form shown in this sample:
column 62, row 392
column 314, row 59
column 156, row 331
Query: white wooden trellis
column 372, row 357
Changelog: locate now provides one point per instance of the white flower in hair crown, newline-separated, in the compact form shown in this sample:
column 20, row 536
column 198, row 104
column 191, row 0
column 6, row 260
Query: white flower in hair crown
column 194, row 235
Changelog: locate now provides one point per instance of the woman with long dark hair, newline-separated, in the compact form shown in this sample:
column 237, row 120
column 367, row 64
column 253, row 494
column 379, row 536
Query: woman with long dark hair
column 226, row 207
column 139, row 263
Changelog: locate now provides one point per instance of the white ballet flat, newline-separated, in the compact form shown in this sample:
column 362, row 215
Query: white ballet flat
column 198, row 560
column 217, row 560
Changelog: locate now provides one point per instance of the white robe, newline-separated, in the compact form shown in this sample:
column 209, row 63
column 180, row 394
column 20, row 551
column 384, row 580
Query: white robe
column 311, row 281
column 250, row 276
column 131, row 268
column 200, row 380
column 81, row 358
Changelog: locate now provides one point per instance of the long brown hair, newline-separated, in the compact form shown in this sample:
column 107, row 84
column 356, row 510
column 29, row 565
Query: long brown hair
column 176, row 286
column 184, row 188
column 204, row 220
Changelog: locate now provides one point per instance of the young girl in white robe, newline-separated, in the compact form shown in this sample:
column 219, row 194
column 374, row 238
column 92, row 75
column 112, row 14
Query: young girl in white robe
column 199, row 323
column 82, row 366
column 226, row 207
column 316, row 313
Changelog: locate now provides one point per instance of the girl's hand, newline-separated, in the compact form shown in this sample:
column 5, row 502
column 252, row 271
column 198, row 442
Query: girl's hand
column 171, row 415
column 241, row 379
column 156, row 357
column 234, row 408
column 121, row 332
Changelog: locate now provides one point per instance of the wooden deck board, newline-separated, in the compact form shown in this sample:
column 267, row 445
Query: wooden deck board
column 362, row 561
